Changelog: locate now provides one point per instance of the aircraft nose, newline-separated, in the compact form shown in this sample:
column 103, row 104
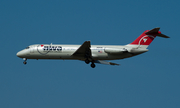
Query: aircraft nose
column 21, row 54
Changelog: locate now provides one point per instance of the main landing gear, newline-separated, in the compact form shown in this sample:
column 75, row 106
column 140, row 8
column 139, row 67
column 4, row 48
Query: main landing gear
column 92, row 64
column 87, row 61
column 25, row 59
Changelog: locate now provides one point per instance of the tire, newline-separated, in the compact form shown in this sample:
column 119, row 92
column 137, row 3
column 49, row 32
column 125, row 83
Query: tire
column 87, row 61
column 93, row 65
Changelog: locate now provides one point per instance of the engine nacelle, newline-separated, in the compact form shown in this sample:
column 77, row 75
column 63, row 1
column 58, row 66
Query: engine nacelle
column 137, row 51
column 115, row 50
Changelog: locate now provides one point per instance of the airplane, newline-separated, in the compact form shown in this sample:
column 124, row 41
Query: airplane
column 91, row 53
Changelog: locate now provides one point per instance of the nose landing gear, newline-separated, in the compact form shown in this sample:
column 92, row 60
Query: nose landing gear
column 25, row 59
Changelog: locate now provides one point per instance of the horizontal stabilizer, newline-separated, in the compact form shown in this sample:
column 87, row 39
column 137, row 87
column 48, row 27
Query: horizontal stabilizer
column 105, row 62
column 156, row 31
column 153, row 31
column 162, row 35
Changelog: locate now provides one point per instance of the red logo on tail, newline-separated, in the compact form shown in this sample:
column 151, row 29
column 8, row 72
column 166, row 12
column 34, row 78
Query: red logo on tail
column 143, row 39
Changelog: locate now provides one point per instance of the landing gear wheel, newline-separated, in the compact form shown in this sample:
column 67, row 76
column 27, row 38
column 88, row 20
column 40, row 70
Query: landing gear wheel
column 93, row 65
column 25, row 59
column 87, row 61
column 24, row 62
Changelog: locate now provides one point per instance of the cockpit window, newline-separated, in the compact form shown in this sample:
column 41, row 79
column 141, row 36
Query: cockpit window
column 27, row 47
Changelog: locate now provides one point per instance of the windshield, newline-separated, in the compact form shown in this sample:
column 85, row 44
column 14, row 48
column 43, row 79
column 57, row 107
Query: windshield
column 27, row 47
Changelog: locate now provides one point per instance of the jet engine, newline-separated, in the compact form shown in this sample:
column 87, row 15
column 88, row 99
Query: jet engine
column 115, row 50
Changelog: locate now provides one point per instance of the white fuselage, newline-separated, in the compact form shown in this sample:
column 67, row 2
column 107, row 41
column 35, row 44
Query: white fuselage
column 99, row 52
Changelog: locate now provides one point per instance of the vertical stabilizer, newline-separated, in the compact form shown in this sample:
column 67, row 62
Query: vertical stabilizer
column 145, row 39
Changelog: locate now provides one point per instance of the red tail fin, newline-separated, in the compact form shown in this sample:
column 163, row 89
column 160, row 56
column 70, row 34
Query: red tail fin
column 144, row 39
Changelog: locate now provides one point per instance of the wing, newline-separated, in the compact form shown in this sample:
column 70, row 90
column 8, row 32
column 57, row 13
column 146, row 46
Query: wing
column 105, row 62
column 84, row 50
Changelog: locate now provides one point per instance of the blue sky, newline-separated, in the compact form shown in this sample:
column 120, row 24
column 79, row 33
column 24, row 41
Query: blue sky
column 149, row 80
